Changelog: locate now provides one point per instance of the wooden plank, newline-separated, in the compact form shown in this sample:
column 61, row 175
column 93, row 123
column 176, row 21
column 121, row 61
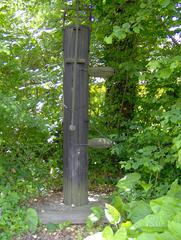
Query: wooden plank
column 102, row 72
column 75, row 159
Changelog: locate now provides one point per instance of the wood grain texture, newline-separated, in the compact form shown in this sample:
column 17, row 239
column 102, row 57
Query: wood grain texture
column 75, row 159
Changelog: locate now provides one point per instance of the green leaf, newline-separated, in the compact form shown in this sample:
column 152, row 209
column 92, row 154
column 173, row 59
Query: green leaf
column 164, row 73
column 126, row 27
column 128, row 182
column 165, row 236
column 179, row 159
column 108, row 40
column 174, row 65
column 119, row 33
column 52, row 227
column 146, row 236
column 98, row 212
column 93, row 218
column 121, row 234
column 153, row 65
column 32, row 219
column 5, row 51
column 118, row 204
column 96, row 215
column 167, row 204
column 152, row 223
column 175, row 229
column 164, row 3
column 138, row 210
column 177, row 142
column 142, row 5
column 64, row 225
column 175, row 190
column 145, row 186
column 89, row 223
column 112, row 214
column 136, row 29
column 122, row 35
column 107, row 233
column 177, row 217
column 14, row 197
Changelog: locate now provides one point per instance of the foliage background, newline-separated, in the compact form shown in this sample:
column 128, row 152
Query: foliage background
column 139, row 108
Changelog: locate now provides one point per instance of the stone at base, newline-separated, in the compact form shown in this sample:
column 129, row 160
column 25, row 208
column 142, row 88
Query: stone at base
column 57, row 212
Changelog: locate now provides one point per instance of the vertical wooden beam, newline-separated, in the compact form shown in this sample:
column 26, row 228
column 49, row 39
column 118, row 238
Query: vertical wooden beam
column 75, row 159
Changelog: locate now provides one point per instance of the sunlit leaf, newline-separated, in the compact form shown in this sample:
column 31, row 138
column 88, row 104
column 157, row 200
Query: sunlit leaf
column 128, row 182
column 175, row 229
column 107, row 233
column 165, row 236
column 118, row 203
column 121, row 234
column 152, row 223
column 112, row 214
column 147, row 236
column 108, row 40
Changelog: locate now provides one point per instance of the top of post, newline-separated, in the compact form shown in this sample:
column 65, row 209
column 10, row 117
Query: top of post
column 77, row 13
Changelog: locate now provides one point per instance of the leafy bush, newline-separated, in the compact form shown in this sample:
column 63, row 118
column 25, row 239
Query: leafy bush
column 160, row 219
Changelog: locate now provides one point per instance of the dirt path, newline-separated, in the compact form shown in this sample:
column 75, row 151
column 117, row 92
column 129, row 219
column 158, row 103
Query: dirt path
column 70, row 233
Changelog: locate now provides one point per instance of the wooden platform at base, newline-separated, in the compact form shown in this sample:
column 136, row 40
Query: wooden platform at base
column 55, row 212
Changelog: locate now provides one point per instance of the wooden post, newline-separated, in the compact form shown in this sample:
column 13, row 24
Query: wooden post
column 75, row 123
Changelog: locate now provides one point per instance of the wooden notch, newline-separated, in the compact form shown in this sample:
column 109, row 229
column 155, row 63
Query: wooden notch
column 72, row 60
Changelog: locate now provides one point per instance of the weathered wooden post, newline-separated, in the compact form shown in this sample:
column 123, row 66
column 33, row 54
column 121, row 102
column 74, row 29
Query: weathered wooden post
column 75, row 123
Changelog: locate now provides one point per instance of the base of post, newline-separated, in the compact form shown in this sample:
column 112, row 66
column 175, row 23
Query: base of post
column 51, row 211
